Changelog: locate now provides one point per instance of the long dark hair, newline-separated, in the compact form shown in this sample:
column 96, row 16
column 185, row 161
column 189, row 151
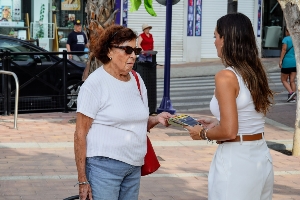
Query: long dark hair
column 240, row 51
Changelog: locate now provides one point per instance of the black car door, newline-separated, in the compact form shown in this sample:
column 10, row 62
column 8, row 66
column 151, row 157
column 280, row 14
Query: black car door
column 31, row 70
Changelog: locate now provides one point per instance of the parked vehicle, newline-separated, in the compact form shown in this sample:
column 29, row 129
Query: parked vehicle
column 40, row 76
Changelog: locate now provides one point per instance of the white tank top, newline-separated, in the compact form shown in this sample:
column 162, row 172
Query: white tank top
column 249, row 120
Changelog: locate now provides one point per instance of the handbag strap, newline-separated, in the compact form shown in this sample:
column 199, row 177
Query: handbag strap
column 287, row 52
column 137, row 81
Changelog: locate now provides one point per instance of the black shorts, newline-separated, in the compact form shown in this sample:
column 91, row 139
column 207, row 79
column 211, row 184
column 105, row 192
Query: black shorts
column 288, row 70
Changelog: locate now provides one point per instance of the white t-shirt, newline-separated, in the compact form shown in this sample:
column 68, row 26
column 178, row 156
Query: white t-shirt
column 120, row 117
column 249, row 120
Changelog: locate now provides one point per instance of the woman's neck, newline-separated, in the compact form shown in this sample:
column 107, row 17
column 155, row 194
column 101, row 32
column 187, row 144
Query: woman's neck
column 122, row 76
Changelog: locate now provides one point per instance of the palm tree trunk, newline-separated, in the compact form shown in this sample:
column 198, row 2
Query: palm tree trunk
column 99, row 15
column 292, row 15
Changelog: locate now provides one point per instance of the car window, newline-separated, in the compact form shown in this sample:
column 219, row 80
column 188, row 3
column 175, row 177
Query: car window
column 16, row 46
column 7, row 45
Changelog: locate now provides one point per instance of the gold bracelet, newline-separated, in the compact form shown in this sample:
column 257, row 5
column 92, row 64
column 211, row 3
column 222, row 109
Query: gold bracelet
column 206, row 136
column 203, row 133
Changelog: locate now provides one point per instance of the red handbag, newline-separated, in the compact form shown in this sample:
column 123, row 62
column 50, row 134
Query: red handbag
column 151, row 163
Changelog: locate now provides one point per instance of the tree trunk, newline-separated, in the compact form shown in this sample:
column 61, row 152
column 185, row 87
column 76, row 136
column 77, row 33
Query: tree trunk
column 291, row 12
column 99, row 15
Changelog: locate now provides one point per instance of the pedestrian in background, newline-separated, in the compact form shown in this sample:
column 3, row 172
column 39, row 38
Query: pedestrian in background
column 242, row 165
column 146, row 42
column 112, row 121
column 287, row 63
column 77, row 41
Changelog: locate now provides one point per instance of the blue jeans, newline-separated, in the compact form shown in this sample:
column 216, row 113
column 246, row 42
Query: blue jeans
column 112, row 179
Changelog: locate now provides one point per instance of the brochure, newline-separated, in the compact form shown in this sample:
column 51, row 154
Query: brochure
column 183, row 120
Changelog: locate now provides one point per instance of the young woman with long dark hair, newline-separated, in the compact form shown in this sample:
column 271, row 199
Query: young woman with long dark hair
column 242, row 166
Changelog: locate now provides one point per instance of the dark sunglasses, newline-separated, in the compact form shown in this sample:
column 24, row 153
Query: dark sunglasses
column 129, row 49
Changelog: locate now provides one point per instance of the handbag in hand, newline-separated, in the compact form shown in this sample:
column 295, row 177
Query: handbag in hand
column 151, row 163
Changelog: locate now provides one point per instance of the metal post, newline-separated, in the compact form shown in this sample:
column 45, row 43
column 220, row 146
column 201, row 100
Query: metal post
column 65, row 80
column 16, row 95
column 166, row 104
column 232, row 6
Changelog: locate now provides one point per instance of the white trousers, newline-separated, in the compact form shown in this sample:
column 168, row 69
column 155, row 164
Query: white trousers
column 241, row 171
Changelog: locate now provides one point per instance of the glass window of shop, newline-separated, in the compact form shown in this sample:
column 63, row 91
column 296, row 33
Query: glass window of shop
column 66, row 12
column 272, row 29
column 14, row 20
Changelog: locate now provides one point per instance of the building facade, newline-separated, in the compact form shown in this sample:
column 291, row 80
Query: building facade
column 194, row 21
column 193, row 24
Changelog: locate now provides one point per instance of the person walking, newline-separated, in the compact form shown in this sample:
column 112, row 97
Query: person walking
column 146, row 42
column 287, row 63
column 112, row 121
column 77, row 41
column 242, row 165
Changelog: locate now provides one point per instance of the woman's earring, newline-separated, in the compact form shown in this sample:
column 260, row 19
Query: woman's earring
column 110, row 58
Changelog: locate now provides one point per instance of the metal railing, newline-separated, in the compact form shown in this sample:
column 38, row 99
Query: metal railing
column 7, row 62
column 16, row 95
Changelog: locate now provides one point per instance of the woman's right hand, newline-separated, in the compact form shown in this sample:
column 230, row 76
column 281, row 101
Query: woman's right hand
column 280, row 64
column 208, row 122
column 85, row 192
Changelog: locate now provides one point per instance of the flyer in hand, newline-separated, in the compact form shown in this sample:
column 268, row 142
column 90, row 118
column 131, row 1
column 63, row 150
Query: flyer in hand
column 183, row 120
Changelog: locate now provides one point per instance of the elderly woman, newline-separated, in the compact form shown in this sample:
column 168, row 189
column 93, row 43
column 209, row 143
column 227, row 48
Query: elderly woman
column 112, row 121
column 145, row 42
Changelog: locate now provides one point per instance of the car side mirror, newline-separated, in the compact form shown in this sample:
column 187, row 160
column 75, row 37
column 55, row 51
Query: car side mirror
column 37, row 59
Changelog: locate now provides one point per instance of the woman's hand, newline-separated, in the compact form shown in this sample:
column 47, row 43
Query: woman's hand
column 208, row 122
column 280, row 64
column 160, row 118
column 194, row 131
column 85, row 192
column 163, row 118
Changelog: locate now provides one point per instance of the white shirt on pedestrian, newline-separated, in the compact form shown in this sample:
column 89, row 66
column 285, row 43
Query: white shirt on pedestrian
column 120, row 117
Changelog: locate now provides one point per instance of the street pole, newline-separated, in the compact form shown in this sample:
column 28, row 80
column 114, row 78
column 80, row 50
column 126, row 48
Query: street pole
column 166, row 105
column 232, row 6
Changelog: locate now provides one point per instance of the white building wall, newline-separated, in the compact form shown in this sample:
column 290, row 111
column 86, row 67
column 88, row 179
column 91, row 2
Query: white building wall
column 247, row 8
column 189, row 48
column 212, row 10
column 137, row 18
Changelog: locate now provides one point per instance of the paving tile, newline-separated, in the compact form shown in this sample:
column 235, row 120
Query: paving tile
column 48, row 171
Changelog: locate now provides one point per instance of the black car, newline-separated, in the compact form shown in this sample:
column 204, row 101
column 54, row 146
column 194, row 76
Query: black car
column 40, row 76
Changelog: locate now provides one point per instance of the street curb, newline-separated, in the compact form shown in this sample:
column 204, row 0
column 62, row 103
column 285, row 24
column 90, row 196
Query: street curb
column 182, row 72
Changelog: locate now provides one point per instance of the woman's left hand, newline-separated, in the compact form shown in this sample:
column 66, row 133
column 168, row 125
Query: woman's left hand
column 194, row 131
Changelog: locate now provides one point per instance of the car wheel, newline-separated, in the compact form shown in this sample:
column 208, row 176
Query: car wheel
column 73, row 88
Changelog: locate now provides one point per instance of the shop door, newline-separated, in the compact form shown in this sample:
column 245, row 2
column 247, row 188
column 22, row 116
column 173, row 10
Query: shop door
column 272, row 29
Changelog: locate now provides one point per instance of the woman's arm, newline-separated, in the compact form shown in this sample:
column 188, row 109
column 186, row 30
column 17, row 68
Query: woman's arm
column 140, row 39
column 227, row 89
column 283, row 51
column 160, row 118
column 83, row 124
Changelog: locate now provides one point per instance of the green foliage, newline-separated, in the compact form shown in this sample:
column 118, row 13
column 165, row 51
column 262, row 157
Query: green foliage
column 135, row 5
column 149, row 7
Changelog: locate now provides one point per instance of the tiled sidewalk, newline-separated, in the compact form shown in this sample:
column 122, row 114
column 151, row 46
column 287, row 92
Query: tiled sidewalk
column 37, row 161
